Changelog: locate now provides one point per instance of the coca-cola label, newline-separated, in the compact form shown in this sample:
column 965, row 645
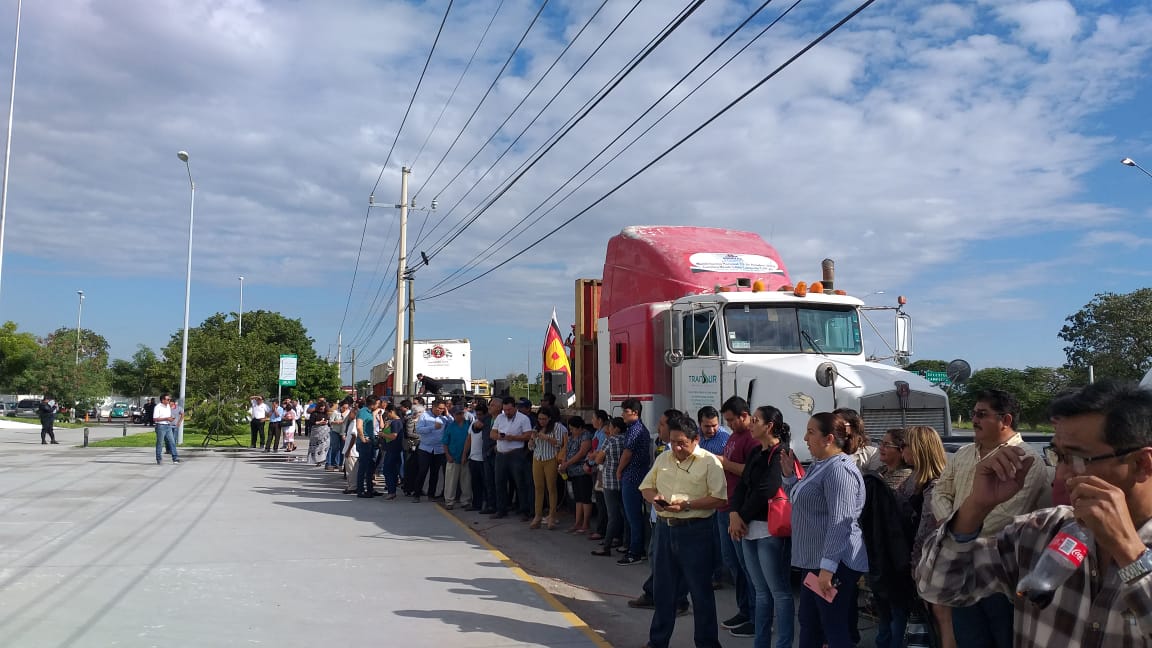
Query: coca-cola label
column 1070, row 547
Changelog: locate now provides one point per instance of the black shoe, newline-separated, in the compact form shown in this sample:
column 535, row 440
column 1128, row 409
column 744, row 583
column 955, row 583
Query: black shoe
column 681, row 611
column 175, row 461
column 364, row 495
column 644, row 602
column 487, row 511
column 735, row 622
column 55, row 443
column 745, row 630
column 348, row 491
column 629, row 559
column 498, row 516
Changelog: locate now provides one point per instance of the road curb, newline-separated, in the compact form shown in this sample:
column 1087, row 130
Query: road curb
column 519, row 572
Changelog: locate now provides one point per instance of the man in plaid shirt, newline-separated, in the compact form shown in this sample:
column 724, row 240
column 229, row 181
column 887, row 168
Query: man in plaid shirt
column 1102, row 449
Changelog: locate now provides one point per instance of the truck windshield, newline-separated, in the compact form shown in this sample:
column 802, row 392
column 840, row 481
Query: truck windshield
column 764, row 328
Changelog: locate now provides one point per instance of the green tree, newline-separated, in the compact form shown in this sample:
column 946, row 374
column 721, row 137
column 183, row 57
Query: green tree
column 58, row 373
column 220, row 362
column 1034, row 388
column 134, row 377
column 18, row 354
column 927, row 365
column 1112, row 334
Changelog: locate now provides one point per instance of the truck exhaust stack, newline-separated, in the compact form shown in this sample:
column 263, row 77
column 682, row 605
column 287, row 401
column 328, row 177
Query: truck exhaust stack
column 828, row 268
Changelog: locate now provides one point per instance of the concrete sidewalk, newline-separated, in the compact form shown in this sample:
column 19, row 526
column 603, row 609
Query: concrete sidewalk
column 103, row 547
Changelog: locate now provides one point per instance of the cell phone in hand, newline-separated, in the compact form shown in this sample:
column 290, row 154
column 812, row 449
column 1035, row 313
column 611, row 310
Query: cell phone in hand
column 502, row 435
column 661, row 501
column 812, row 582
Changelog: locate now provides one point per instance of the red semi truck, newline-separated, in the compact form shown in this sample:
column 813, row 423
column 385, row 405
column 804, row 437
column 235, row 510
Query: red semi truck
column 690, row 316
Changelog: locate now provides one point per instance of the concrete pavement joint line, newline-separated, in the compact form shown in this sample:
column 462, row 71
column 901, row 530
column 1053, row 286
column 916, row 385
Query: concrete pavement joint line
column 77, row 533
column 519, row 572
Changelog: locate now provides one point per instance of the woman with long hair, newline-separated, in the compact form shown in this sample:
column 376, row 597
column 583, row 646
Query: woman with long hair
column 766, row 557
column 866, row 455
column 893, row 469
column 924, row 452
column 827, row 544
column 546, row 441
column 572, row 466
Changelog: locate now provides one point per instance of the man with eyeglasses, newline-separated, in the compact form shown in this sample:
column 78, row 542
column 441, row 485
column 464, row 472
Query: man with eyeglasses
column 1102, row 448
column 987, row 621
column 685, row 487
column 165, row 421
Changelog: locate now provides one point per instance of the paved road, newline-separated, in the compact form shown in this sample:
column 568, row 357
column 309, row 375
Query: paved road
column 102, row 547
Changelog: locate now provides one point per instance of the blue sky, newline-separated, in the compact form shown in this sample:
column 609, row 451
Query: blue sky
column 966, row 155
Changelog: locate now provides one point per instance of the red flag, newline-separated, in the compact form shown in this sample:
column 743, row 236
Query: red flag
column 555, row 355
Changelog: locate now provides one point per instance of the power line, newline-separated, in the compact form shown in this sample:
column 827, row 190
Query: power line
column 487, row 92
column 515, row 231
column 613, row 85
column 387, row 159
column 669, row 150
column 528, row 94
column 463, row 74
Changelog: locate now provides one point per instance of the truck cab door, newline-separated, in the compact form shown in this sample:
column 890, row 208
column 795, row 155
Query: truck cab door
column 696, row 379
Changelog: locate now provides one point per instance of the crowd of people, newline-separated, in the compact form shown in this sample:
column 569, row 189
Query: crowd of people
column 719, row 496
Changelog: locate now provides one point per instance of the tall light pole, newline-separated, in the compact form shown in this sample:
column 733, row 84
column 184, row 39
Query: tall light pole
column 8, row 144
column 183, row 155
column 1126, row 162
column 79, row 312
column 240, row 319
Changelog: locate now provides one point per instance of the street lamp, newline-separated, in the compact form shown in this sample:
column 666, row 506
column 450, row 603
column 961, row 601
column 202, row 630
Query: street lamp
column 240, row 319
column 183, row 155
column 1132, row 163
column 79, row 312
column 8, row 144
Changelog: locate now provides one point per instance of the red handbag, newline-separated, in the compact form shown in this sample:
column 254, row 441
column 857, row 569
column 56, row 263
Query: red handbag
column 780, row 507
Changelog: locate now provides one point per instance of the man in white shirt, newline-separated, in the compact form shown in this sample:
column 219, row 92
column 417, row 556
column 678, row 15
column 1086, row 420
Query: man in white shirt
column 511, row 429
column 258, row 413
column 165, row 429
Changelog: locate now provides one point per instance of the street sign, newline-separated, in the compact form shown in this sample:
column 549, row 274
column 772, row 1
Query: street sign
column 288, row 370
column 937, row 377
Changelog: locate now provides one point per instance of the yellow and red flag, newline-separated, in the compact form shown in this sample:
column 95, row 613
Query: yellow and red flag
column 555, row 354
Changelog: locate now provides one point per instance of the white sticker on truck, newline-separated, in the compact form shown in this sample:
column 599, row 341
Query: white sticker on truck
column 728, row 262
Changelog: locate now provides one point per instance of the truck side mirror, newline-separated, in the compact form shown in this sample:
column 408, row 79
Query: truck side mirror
column 673, row 338
column 903, row 336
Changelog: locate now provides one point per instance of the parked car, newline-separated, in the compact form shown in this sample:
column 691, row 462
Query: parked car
column 28, row 407
column 119, row 410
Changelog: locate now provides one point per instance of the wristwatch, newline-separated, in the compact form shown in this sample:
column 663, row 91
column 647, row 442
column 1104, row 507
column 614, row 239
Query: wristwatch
column 687, row 506
column 1138, row 569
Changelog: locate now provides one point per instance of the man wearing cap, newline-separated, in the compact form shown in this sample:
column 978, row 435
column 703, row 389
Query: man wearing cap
column 511, row 430
column 457, row 445
column 430, row 455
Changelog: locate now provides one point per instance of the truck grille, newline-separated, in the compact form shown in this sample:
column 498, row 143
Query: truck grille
column 878, row 421
column 882, row 411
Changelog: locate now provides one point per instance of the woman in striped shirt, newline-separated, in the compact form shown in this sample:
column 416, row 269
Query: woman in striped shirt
column 827, row 544
column 546, row 439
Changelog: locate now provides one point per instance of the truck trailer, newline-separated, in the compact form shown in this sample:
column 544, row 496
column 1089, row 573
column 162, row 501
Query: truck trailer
column 686, row 317
column 448, row 361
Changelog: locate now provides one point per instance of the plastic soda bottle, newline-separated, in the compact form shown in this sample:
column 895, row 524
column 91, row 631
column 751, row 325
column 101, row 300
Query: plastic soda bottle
column 1064, row 555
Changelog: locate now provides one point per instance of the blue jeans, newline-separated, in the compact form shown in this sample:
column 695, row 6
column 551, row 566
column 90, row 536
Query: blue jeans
column 683, row 556
column 890, row 625
column 634, row 516
column 769, row 565
column 391, row 469
column 823, row 623
column 988, row 623
column 733, row 559
column 335, row 449
column 166, row 434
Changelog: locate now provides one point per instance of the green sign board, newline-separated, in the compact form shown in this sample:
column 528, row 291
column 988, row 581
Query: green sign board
column 937, row 377
column 288, row 370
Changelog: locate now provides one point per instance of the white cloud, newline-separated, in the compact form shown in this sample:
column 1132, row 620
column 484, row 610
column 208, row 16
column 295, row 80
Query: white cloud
column 903, row 140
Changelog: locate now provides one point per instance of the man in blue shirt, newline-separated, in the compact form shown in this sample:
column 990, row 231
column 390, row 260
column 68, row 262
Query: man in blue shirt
column 635, row 461
column 456, row 445
column 365, row 447
column 430, row 455
column 713, row 438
